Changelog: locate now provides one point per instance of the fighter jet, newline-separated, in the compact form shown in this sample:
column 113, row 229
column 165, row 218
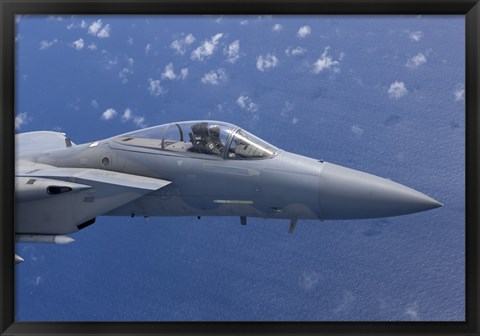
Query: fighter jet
column 189, row 168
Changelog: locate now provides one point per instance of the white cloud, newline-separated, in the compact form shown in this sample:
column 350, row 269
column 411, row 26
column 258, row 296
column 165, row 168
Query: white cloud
column 126, row 65
column 82, row 25
column 357, row 130
column 288, row 106
column 169, row 73
column 416, row 35
column 109, row 114
column 154, row 87
column 215, row 77
column 95, row 27
column 247, row 104
column 54, row 18
column 264, row 17
column 104, row 32
column 277, row 27
column 304, row 31
column 130, row 40
column 459, row 92
column 267, row 62
column 397, row 90
column 94, row 103
column 21, row 119
column 124, row 73
column 207, row 48
column 47, row 44
column 244, row 22
column 148, row 48
column 325, row 62
column 180, row 45
column 177, row 46
column 78, row 44
column 233, row 51
column 412, row 312
column 346, row 303
column 139, row 121
column 309, row 280
column 415, row 61
column 297, row 51
column 127, row 115
column 183, row 73
column 92, row 46
column 189, row 39
column 38, row 280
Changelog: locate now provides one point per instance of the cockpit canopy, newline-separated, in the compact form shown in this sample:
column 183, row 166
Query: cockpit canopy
column 206, row 137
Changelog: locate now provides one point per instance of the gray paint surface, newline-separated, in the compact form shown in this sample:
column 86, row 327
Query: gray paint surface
column 60, row 187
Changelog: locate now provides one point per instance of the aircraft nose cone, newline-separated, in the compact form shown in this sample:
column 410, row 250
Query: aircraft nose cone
column 350, row 194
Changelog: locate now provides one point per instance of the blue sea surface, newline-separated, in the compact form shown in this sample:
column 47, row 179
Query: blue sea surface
column 380, row 94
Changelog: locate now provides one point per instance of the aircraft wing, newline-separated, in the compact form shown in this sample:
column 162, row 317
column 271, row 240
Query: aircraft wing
column 53, row 201
column 95, row 176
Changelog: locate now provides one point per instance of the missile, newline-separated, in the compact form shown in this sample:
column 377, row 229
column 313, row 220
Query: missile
column 18, row 259
column 48, row 239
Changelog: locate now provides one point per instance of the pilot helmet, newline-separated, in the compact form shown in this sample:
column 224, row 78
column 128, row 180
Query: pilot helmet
column 214, row 130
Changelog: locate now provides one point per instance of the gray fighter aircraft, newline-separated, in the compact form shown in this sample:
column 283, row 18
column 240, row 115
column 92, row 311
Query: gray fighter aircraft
column 191, row 168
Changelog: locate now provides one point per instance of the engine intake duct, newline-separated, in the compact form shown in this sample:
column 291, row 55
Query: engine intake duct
column 31, row 189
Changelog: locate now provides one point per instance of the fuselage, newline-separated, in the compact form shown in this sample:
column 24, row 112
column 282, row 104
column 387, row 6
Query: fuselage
column 247, row 177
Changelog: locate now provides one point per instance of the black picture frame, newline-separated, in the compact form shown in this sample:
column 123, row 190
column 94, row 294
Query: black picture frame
column 10, row 8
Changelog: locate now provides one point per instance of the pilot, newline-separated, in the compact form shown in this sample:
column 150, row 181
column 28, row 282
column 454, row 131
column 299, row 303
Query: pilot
column 214, row 144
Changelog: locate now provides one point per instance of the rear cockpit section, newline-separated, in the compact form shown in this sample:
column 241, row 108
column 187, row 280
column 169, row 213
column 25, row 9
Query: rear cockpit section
column 212, row 138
